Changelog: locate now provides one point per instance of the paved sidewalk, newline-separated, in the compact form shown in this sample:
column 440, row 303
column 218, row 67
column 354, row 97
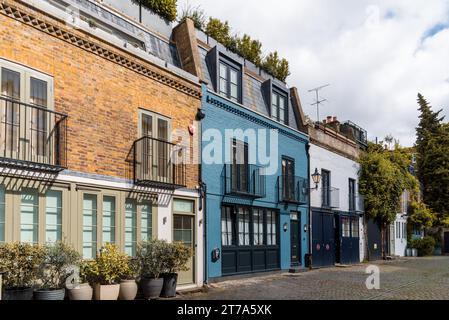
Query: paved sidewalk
column 405, row 279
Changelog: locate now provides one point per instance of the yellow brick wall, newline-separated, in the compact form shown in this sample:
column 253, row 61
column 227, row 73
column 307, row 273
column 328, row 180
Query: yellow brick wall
column 100, row 97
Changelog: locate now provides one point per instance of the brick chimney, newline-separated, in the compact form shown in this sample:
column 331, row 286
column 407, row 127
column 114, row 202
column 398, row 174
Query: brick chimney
column 333, row 123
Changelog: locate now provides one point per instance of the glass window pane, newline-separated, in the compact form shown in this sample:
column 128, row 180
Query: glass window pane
column 130, row 227
column 223, row 86
column 184, row 206
column 29, row 216
column 162, row 129
column 146, row 222
column 243, row 227
column 53, row 216
column 89, row 226
column 147, row 125
column 223, row 71
column 10, row 84
column 234, row 77
column 234, row 92
column 38, row 92
column 108, row 220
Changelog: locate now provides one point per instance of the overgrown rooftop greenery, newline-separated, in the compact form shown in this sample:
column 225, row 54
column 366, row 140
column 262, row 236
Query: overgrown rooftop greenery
column 248, row 48
column 165, row 8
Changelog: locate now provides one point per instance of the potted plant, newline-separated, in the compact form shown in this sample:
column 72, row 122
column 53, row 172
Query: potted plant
column 20, row 262
column 107, row 269
column 149, row 257
column 81, row 290
column 54, row 271
column 128, row 284
column 175, row 260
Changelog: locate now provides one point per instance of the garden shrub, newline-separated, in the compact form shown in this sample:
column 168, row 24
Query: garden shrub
column 425, row 246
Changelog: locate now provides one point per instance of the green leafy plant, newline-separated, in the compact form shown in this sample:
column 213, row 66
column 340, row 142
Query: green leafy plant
column 149, row 258
column 425, row 246
column 196, row 14
column 277, row 67
column 176, row 257
column 108, row 267
column 58, row 257
column 21, row 262
column 165, row 8
column 132, row 272
column 420, row 216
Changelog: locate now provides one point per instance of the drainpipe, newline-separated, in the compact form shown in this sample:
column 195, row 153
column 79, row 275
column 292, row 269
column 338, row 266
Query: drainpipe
column 203, row 192
column 310, row 205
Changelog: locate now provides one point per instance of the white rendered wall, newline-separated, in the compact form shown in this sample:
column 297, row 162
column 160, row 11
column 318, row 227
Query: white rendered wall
column 341, row 168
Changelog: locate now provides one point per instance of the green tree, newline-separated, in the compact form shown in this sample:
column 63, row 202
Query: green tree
column 432, row 146
column 219, row 30
column 250, row 49
column 383, row 178
column 275, row 66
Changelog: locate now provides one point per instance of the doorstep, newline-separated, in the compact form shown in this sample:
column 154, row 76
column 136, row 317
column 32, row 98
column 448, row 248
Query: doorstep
column 246, row 276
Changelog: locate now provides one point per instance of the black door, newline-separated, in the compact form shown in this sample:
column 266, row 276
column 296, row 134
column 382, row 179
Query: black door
column 374, row 241
column 446, row 242
column 348, row 237
column 250, row 240
column 323, row 239
column 295, row 237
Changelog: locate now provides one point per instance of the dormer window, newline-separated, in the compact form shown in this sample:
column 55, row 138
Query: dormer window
column 279, row 107
column 230, row 81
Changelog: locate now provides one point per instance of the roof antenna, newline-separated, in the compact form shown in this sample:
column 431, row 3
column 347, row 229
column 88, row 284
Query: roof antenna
column 318, row 101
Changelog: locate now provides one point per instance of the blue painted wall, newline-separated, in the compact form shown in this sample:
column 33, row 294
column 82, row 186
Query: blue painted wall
column 221, row 114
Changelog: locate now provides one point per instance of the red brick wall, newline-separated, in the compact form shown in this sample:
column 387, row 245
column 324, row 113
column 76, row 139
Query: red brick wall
column 101, row 97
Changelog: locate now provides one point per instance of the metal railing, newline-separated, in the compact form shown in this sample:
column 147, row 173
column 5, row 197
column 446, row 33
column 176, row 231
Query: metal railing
column 32, row 137
column 330, row 198
column 158, row 163
column 245, row 180
column 356, row 203
column 293, row 189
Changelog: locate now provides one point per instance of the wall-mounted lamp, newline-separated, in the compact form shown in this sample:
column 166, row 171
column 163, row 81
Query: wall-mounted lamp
column 316, row 178
column 285, row 227
column 200, row 115
column 306, row 228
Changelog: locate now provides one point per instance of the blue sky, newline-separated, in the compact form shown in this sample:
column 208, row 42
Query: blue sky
column 376, row 54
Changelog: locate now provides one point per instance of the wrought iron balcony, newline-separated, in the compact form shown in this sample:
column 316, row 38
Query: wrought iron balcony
column 356, row 203
column 32, row 137
column 293, row 189
column 245, row 180
column 330, row 198
column 158, row 163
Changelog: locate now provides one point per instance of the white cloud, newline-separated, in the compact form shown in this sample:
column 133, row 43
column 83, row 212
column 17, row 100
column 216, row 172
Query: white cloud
column 371, row 51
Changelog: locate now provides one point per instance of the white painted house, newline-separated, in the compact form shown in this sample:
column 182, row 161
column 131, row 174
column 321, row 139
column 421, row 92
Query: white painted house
column 337, row 207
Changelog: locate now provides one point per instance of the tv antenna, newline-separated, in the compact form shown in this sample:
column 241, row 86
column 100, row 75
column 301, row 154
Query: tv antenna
column 318, row 101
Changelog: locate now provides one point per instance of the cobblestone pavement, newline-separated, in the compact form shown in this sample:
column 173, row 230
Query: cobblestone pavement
column 405, row 279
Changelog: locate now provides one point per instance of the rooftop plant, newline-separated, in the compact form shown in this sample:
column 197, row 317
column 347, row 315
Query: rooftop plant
column 248, row 49
column 165, row 8
column 196, row 14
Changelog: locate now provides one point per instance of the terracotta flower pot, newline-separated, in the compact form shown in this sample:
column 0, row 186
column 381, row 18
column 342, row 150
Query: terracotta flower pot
column 151, row 288
column 106, row 292
column 128, row 290
column 49, row 295
column 82, row 292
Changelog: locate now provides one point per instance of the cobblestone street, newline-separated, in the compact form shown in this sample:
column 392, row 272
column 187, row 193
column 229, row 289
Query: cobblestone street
column 405, row 279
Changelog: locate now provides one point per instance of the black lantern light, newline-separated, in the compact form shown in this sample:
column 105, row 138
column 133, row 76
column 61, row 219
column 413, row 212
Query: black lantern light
column 316, row 177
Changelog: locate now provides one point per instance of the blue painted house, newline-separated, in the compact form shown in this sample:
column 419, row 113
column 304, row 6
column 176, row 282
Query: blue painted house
column 254, row 163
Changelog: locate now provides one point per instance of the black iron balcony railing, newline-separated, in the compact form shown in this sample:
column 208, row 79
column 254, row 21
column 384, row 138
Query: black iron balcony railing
column 330, row 198
column 293, row 189
column 32, row 137
column 158, row 163
column 245, row 180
